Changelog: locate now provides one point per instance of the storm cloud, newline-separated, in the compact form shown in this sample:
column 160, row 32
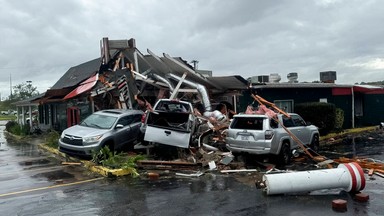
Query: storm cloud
column 42, row 39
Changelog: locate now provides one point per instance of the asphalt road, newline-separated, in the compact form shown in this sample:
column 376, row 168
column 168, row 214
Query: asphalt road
column 33, row 182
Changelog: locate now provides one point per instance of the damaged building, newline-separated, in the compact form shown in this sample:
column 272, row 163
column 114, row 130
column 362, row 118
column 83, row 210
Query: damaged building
column 123, row 76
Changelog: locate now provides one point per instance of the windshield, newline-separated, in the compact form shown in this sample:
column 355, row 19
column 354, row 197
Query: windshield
column 172, row 106
column 99, row 121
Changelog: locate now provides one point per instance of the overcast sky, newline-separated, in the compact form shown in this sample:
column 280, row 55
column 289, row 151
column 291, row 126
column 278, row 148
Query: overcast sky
column 42, row 39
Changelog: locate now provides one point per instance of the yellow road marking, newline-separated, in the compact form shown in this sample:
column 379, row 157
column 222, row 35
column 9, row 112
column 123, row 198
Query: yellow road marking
column 50, row 187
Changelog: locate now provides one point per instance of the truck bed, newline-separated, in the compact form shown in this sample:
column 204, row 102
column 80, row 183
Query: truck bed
column 169, row 120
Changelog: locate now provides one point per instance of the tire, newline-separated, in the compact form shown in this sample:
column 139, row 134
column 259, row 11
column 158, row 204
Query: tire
column 315, row 144
column 285, row 155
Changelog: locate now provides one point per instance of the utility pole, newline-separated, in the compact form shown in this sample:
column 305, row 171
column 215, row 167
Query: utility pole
column 10, row 86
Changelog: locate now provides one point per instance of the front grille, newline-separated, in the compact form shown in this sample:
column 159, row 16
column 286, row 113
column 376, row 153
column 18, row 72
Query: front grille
column 72, row 152
column 73, row 140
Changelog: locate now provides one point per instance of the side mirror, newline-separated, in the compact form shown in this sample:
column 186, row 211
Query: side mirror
column 118, row 126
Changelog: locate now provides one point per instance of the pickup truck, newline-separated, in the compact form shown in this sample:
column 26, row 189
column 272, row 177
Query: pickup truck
column 171, row 122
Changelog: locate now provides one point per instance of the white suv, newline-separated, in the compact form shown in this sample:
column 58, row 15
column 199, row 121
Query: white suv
column 261, row 135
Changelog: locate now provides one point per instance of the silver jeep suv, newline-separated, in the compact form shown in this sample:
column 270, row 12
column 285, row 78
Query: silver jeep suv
column 261, row 135
column 116, row 128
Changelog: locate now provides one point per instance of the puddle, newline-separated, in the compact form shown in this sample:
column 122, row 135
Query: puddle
column 54, row 175
column 368, row 145
column 35, row 162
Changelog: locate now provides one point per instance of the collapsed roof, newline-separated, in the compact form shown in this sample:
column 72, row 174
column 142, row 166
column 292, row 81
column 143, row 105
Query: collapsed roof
column 162, row 71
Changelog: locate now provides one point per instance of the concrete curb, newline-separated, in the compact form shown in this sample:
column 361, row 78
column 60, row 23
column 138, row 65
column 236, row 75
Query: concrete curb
column 89, row 165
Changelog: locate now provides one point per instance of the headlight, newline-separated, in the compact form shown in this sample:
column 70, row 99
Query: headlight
column 91, row 139
column 62, row 135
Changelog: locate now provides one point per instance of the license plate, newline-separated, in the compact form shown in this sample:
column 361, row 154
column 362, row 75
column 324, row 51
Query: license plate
column 244, row 137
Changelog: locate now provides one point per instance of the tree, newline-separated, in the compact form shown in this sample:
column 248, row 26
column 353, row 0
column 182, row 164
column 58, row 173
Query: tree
column 23, row 91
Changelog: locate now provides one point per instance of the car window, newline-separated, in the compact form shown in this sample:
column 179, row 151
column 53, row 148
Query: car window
column 298, row 120
column 248, row 123
column 173, row 106
column 125, row 120
column 287, row 122
column 273, row 123
column 137, row 118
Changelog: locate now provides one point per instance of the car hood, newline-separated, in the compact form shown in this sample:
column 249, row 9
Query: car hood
column 82, row 131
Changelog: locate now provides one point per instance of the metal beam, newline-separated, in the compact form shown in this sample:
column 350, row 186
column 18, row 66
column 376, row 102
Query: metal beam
column 176, row 90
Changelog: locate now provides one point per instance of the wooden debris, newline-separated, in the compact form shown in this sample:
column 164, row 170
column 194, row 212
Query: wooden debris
column 156, row 162
column 153, row 175
column 262, row 101
column 198, row 174
column 327, row 163
column 363, row 162
column 239, row 170
column 379, row 174
column 70, row 163
column 370, row 172
column 167, row 165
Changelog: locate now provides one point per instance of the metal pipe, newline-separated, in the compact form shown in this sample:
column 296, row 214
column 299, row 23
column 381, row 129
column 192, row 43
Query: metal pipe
column 106, row 50
column 200, row 88
column 349, row 177
column 164, row 80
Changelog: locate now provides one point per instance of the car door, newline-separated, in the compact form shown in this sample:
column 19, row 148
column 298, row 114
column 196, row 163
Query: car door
column 301, row 130
column 290, row 125
column 122, row 135
column 134, row 125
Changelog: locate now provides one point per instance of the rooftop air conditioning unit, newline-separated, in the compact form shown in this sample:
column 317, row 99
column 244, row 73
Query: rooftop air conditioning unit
column 328, row 76
column 292, row 77
column 263, row 79
column 274, row 78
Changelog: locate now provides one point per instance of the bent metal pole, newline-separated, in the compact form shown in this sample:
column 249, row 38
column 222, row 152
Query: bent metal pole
column 348, row 177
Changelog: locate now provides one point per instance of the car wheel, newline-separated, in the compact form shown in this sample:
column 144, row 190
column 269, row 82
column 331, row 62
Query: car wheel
column 284, row 156
column 315, row 143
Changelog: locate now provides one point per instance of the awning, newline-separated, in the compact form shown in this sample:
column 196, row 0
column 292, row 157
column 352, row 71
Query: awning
column 83, row 87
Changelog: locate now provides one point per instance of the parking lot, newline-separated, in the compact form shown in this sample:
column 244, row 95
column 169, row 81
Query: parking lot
column 27, row 169
column 34, row 182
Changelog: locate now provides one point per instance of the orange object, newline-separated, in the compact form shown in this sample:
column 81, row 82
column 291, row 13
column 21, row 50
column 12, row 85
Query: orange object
column 362, row 197
column 339, row 205
column 153, row 175
column 370, row 172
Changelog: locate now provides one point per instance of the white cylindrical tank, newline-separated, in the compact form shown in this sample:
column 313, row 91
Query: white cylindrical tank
column 348, row 177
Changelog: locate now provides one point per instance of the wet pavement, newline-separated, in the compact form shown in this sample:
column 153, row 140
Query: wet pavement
column 33, row 182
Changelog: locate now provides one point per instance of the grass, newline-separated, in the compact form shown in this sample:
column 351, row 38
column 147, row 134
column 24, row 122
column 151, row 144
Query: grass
column 349, row 132
column 7, row 117
column 114, row 160
column 338, row 137
column 52, row 139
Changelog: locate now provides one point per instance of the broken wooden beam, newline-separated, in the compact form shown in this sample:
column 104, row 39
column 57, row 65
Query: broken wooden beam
column 239, row 170
column 370, row 172
column 70, row 163
column 167, row 165
column 156, row 162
